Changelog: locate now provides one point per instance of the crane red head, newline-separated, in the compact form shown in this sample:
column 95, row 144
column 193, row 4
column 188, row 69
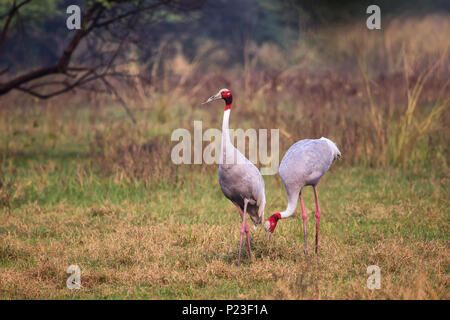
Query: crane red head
column 271, row 224
column 224, row 94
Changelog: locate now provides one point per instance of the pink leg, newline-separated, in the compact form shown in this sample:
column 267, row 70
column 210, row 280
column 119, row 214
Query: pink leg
column 316, row 195
column 304, row 221
column 246, row 230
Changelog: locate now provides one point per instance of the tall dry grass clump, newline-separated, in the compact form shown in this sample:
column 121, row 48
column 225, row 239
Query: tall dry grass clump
column 116, row 154
column 410, row 128
column 381, row 95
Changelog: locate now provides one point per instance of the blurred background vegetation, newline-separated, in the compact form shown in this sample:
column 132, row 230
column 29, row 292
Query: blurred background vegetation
column 309, row 68
column 232, row 23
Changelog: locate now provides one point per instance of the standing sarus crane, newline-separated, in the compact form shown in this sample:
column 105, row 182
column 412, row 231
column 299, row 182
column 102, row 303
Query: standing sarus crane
column 304, row 164
column 240, row 181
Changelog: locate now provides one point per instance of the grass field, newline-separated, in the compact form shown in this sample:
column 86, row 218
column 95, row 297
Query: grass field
column 177, row 237
column 81, row 184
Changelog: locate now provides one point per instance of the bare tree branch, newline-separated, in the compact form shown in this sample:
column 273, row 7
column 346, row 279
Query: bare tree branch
column 59, row 67
column 15, row 8
column 95, row 59
column 119, row 98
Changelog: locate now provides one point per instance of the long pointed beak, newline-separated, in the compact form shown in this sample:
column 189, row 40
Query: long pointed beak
column 216, row 97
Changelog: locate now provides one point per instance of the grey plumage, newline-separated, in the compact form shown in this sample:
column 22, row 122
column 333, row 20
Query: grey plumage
column 306, row 162
column 242, row 181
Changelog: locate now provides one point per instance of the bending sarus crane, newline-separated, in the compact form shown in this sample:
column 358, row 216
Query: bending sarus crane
column 240, row 181
column 304, row 164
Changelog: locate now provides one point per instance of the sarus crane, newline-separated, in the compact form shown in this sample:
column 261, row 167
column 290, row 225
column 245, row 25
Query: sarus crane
column 305, row 162
column 240, row 180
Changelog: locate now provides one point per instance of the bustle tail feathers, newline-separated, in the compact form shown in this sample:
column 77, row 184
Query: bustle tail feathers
column 334, row 149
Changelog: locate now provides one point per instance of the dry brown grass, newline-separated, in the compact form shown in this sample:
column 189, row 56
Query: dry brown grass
column 127, row 251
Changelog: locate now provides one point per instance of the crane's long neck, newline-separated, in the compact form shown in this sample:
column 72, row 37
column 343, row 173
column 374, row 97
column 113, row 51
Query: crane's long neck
column 226, row 141
column 292, row 198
